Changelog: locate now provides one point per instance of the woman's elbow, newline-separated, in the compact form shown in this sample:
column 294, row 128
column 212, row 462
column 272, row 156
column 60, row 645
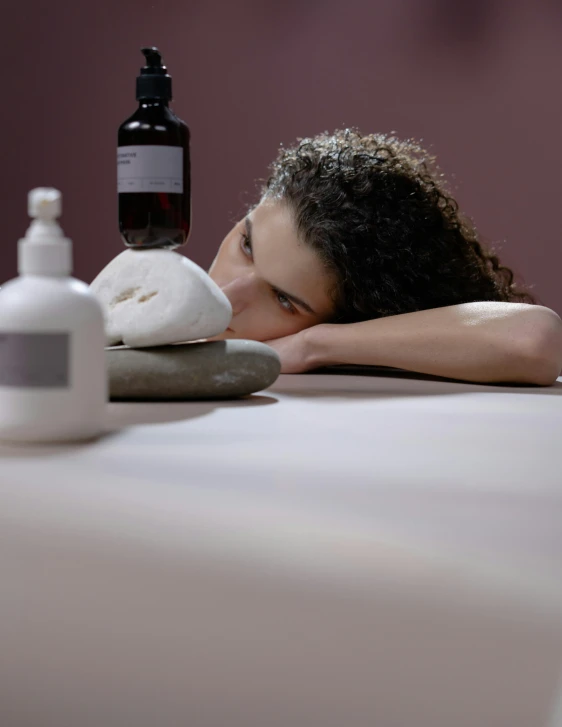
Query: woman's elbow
column 542, row 357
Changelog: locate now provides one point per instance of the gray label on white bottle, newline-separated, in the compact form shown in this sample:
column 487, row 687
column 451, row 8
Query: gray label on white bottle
column 150, row 168
column 34, row 359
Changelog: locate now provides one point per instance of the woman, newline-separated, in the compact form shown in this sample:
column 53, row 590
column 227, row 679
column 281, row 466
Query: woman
column 356, row 254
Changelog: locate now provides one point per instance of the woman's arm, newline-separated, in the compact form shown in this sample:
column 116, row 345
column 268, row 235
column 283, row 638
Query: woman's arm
column 483, row 341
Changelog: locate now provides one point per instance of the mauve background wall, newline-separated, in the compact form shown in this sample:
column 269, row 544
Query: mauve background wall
column 477, row 80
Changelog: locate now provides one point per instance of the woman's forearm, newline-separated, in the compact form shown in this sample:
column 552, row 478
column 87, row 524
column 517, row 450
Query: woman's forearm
column 483, row 341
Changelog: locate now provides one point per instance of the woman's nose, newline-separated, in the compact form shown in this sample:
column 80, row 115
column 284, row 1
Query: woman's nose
column 239, row 293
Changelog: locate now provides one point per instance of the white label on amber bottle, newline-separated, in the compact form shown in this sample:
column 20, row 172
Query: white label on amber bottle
column 150, row 169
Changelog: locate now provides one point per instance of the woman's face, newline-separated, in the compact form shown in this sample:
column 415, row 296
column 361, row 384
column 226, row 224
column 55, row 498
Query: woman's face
column 277, row 285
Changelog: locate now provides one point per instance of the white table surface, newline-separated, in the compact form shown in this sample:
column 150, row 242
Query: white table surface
column 335, row 551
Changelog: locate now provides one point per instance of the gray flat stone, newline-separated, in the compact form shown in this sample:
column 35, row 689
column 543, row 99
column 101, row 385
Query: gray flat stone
column 206, row 370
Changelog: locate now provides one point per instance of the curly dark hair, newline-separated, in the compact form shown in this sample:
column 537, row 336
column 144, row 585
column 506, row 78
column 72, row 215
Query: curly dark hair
column 377, row 211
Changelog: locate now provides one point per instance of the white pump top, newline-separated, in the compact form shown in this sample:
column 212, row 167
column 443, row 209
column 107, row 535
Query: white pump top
column 45, row 250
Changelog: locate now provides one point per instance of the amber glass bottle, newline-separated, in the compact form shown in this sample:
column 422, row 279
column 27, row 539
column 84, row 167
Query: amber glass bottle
column 153, row 165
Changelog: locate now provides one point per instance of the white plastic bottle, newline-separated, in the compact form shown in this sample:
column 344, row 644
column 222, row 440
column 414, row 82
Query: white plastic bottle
column 53, row 378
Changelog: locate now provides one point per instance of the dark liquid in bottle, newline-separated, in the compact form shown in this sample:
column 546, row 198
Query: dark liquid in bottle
column 155, row 218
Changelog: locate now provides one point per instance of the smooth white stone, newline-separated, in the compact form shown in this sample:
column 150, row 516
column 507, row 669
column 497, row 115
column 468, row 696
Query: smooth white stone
column 159, row 297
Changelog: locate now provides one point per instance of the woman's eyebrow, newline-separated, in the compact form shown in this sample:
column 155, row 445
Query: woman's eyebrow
column 293, row 298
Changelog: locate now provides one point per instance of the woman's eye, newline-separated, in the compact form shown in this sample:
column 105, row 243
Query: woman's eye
column 246, row 245
column 285, row 302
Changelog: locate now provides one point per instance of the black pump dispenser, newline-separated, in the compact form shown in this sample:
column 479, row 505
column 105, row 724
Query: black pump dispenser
column 154, row 81
column 153, row 165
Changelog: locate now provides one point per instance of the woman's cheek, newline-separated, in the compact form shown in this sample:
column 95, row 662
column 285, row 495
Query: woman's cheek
column 286, row 327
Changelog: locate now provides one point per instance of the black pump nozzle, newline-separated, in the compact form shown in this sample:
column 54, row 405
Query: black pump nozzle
column 154, row 81
column 153, row 59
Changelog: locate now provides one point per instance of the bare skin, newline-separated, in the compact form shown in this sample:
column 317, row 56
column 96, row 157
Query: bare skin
column 276, row 284
column 281, row 293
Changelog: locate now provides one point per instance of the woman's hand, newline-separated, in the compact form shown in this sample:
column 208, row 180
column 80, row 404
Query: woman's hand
column 296, row 351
